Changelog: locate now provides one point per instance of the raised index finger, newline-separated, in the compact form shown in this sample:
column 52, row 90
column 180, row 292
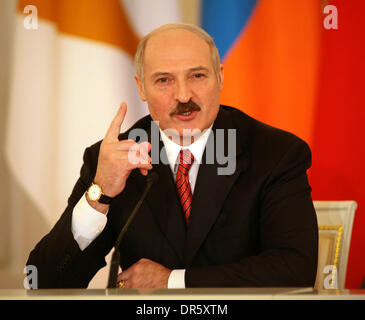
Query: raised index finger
column 114, row 128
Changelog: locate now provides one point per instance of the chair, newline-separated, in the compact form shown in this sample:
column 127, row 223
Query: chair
column 335, row 220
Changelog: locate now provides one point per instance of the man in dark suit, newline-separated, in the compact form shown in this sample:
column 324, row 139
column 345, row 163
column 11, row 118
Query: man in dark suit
column 203, row 223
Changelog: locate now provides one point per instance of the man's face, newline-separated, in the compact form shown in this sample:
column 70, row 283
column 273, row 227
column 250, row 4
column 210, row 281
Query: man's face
column 180, row 85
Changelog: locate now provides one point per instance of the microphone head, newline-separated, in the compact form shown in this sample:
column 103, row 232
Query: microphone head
column 152, row 177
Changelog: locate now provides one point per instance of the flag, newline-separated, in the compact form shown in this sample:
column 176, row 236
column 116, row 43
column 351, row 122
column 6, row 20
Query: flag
column 72, row 67
column 283, row 67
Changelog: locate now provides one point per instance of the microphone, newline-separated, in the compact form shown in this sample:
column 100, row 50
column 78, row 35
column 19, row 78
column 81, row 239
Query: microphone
column 114, row 265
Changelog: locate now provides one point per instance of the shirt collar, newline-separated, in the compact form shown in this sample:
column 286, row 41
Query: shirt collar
column 196, row 148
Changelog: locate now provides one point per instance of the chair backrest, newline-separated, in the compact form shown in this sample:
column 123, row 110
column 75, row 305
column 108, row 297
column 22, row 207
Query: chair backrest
column 335, row 220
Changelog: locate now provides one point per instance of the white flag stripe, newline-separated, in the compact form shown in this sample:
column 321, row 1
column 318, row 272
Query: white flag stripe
column 29, row 146
column 148, row 15
column 64, row 95
column 99, row 77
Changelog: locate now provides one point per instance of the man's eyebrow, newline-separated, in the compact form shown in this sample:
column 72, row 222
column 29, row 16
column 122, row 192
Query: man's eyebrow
column 160, row 73
column 199, row 68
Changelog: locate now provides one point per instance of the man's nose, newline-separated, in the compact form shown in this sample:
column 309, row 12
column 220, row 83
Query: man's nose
column 183, row 92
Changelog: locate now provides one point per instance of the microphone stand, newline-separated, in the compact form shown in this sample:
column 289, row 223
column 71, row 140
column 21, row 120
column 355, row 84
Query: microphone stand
column 115, row 261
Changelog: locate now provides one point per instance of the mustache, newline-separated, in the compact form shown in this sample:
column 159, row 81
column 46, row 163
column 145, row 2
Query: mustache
column 185, row 107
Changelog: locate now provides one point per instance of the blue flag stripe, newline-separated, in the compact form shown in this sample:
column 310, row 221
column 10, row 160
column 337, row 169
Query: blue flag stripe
column 224, row 20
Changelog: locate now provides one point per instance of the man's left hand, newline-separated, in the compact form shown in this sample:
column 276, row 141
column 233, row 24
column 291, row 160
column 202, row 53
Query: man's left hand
column 145, row 274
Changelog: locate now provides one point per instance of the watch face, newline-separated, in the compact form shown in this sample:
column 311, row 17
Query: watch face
column 94, row 192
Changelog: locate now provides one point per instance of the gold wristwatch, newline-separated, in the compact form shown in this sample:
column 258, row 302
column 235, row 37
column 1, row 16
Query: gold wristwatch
column 96, row 194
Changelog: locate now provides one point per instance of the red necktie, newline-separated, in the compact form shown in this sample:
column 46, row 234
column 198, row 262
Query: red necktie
column 182, row 182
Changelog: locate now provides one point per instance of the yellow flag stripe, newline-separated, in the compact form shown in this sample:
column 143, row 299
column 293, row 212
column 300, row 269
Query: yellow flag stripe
column 103, row 21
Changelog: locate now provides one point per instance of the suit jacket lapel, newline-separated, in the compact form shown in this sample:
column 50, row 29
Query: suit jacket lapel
column 210, row 193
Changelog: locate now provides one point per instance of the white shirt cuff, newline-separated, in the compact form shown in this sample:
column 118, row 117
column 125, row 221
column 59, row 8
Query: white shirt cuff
column 176, row 279
column 87, row 223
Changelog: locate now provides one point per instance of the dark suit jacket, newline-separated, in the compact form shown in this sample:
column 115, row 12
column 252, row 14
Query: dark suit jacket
column 256, row 227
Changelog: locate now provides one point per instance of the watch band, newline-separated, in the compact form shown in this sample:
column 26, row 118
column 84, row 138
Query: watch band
column 105, row 199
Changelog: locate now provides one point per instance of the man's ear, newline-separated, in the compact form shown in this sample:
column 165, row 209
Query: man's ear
column 140, row 87
column 221, row 77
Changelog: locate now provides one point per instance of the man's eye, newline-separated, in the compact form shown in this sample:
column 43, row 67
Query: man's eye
column 162, row 80
column 198, row 75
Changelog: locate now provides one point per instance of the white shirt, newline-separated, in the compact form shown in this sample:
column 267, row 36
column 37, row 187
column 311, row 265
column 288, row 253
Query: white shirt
column 88, row 223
